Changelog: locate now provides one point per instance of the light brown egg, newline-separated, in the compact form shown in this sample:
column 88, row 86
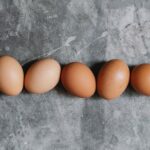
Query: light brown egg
column 42, row 76
column 113, row 79
column 11, row 76
column 140, row 79
column 78, row 79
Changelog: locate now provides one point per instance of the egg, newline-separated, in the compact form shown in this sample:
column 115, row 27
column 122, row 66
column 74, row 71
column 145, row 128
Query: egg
column 78, row 79
column 140, row 79
column 11, row 76
column 42, row 76
column 113, row 79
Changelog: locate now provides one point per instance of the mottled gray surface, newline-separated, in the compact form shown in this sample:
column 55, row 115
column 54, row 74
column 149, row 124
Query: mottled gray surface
column 89, row 31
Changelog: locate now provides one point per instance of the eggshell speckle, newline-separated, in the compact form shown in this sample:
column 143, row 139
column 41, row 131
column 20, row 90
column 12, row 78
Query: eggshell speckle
column 78, row 79
column 140, row 79
column 113, row 79
column 42, row 76
column 11, row 76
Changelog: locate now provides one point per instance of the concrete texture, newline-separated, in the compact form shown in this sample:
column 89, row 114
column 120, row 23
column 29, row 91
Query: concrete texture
column 90, row 31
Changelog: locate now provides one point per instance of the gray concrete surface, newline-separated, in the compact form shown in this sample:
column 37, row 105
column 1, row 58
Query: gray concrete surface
column 90, row 31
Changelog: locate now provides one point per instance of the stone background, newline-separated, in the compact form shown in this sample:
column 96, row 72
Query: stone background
column 90, row 31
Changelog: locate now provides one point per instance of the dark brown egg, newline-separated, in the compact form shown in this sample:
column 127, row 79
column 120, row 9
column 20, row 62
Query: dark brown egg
column 140, row 79
column 78, row 79
column 113, row 79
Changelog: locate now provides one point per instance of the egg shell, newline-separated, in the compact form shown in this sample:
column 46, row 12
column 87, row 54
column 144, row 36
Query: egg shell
column 140, row 79
column 11, row 76
column 42, row 76
column 78, row 79
column 113, row 79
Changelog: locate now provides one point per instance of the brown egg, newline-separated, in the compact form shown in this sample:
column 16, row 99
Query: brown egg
column 140, row 79
column 42, row 76
column 78, row 79
column 11, row 76
column 113, row 79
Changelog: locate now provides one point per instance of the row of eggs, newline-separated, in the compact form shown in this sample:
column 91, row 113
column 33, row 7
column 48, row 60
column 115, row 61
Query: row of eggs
column 77, row 78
